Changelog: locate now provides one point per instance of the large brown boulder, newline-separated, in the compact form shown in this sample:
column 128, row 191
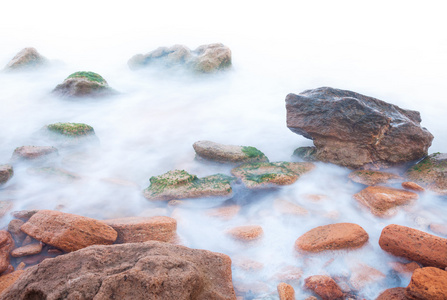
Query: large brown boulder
column 428, row 284
column 6, row 172
column 353, row 130
column 27, row 58
column 68, row 232
column 431, row 173
column 150, row 270
column 332, row 237
column 228, row 153
column 414, row 245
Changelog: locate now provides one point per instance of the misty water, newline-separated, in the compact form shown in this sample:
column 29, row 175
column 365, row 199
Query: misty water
column 393, row 52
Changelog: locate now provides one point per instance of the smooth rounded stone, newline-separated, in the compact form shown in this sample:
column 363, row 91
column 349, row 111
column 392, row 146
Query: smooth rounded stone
column 179, row 184
column 29, row 249
column 6, row 246
column 397, row 293
column 428, row 284
column 246, row 233
column 406, row 269
column 266, row 175
column 224, row 212
column 71, row 130
column 414, row 245
column 228, row 153
column 211, row 58
column 412, row 186
column 354, row 130
column 332, row 237
column 6, row 172
column 84, row 84
column 368, row 177
column 289, row 208
column 285, row 291
column 431, row 173
column 27, row 58
column 150, row 270
column 9, row 279
column 440, row 229
column 142, row 229
column 383, row 201
column 324, row 286
column 33, row 152
column 14, row 229
column 363, row 275
column 306, row 153
column 68, row 232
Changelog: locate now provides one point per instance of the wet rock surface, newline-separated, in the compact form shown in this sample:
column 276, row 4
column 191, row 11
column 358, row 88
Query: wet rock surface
column 179, row 184
column 427, row 283
column 393, row 294
column 151, row 270
column 353, row 130
column 84, row 84
column 6, row 246
column 368, row 177
column 431, row 173
column 285, row 291
column 6, row 172
column 33, row 152
column 26, row 59
column 383, row 201
column 8, row 280
column 324, row 286
column 266, row 175
column 415, row 245
column 228, row 153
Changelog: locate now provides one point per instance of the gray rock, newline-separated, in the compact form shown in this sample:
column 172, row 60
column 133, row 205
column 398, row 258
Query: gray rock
column 6, row 172
column 27, row 58
column 228, row 153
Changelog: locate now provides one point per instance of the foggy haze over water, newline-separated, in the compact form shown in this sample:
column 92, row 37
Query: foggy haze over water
column 395, row 51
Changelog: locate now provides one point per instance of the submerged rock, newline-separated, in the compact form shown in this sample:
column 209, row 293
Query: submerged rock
column 266, row 175
column 84, row 84
column 6, row 172
column 228, row 153
column 368, row 177
column 324, row 286
column 65, row 134
column 427, row 283
column 431, row 173
column 246, row 233
column 151, row 270
column 27, row 58
column 353, row 130
column 285, row 291
column 204, row 59
column 179, row 184
column 33, row 152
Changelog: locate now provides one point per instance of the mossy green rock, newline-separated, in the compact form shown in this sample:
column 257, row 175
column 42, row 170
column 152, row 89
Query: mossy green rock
column 306, row 153
column 431, row 173
column 179, row 184
column 266, row 175
column 84, row 84
column 228, row 153
column 6, row 172
column 72, row 130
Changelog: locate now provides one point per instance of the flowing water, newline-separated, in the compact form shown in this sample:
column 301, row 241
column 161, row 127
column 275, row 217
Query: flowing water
column 396, row 52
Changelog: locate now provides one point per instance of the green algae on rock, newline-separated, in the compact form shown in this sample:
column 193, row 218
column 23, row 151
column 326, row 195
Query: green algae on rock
column 228, row 153
column 431, row 173
column 84, row 84
column 265, row 175
column 179, row 184
column 71, row 129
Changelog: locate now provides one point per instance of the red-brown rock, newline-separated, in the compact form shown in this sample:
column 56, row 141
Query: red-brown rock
column 428, row 284
column 393, row 294
column 368, row 177
column 137, row 271
column 142, row 229
column 68, row 232
column 285, row 291
column 324, row 286
column 29, row 249
column 246, row 233
column 33, row 152
column 412, row 186
column 6, row 246
column 332, row 237
column 14, row 229
column 414, row 245
column 405, row 268
column 8, row 280
column 364, row 275
column 382, row 201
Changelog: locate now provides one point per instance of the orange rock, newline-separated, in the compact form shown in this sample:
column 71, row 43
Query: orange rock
column 289, row 208
column 285, row 291
column 415, row 245
column 30, row 249
column 382, row 201
column 6, row 246
column 8, row 270
column 247, row 264
column 393, row 294
column 402, row 268
column 9, row 279
column 332, row 237
column 440, row 229
column 324, row 286
column 224, row 212
column 142, row 229
column 428, row 283
column 68, row 232
column 363, row 275
column 21, row 266
column 368, row 177
column 246, row 233
column 409, row 185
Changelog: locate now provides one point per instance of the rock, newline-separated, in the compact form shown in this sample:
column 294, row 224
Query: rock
column 6, row 246
column 406, row 269
column 306, row 153
column 14, row 229
column 5, row 207
column 324, row 286
column 33, row 152
column 440, row 229
column 288, row 274
column 21, row 266
column 211, row 58
column 415, row 245
column 71, row 130
column 412, row 186
column 431, row 173
column 6, row 172
column 179, row 184
column 27, row 58
column 150, row 270
column 84, row 84
column 246, row 233
column 332, row 237
column 368, row 177
column 285, row 291
column 428, row 284
column 29, row 249
column 353, row 130
column 364, row 275
column 383, row 201
column 289, row 208
column 142, row 229
column 177, row 55
column 224, row 212
column 24, row 214
column 247, row 264
column 8, row 280
column 397, row 293
column 266, row 175
column 228, row 153
column 68, row 232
